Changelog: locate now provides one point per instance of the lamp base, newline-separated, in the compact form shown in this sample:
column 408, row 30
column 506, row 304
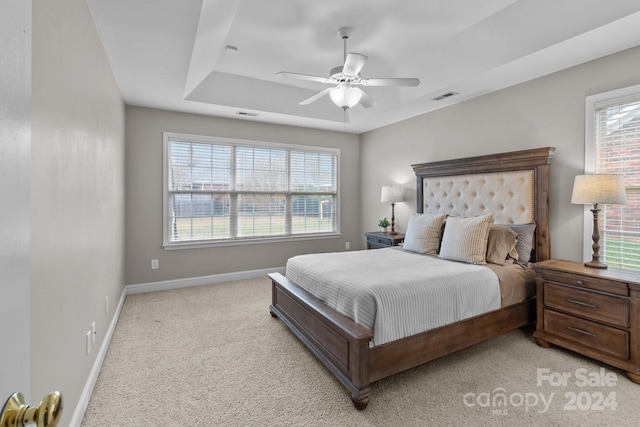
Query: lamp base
column 595, row 264
column 595, row 256
column 393, row 233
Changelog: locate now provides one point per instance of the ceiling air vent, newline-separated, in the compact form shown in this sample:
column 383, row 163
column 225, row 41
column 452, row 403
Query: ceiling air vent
column 444, row 95
column 246, row 113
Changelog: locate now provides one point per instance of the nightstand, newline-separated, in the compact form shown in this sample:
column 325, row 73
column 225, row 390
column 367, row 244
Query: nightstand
column 377, row 240
column 590, row 311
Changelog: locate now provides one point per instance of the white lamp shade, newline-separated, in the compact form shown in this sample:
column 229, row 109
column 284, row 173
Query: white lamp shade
column 345, row 96
column 599, row 188
column 391, row 194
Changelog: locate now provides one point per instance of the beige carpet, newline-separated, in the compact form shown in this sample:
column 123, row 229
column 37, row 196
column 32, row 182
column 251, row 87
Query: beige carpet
column 213, row 356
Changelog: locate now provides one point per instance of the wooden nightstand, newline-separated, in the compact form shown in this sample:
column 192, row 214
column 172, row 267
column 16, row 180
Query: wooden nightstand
column 377, row 240
column 592, row 312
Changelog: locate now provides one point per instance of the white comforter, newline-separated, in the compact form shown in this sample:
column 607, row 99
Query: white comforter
column 395, row 292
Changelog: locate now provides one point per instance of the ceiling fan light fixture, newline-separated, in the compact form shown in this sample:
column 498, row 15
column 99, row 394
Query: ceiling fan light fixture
column 345, row 96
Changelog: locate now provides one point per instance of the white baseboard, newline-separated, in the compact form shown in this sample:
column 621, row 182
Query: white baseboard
column 199, row 281
column 83, row 402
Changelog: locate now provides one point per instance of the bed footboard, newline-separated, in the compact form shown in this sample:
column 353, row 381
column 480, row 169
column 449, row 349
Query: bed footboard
column 337, row 341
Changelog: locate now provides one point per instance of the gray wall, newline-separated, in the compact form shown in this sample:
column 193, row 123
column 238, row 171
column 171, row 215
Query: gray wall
column 144, row 197
column 77, row 198
column 548, row 111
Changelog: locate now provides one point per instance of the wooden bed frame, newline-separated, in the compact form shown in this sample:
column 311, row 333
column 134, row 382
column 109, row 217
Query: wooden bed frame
column 343, row 345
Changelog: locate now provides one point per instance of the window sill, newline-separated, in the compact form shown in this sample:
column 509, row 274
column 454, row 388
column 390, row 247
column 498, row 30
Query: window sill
column 222, row 243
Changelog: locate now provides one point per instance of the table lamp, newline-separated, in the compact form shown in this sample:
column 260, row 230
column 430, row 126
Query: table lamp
column 391, row 194
column 594, row 190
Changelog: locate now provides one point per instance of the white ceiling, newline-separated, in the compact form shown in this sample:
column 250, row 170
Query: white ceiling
column 171, row 54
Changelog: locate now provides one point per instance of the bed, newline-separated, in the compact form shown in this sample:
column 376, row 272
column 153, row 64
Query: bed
column 489, row 185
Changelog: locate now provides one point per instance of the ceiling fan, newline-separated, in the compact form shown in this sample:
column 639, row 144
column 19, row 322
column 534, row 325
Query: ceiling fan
column 347, row 77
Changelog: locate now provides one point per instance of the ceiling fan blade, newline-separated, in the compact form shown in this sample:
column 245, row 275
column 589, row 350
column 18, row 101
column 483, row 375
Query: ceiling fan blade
column 390, row 82
column 315, row 97
column 353, row 64
column 365, row 100
column 307, row 77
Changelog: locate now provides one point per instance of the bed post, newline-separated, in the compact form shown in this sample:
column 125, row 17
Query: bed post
column 543, row 240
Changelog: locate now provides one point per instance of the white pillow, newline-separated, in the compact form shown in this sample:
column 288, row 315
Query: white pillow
column 423, row 233
column 465, row 239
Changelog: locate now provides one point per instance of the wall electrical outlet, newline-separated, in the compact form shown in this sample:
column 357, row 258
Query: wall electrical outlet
column 154, row 264
column 347, row 245
column 93, row 332
column 88, row 342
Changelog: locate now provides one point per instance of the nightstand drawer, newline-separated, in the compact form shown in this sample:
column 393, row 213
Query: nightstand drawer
column 587, row 282
column 377, row 240
column 380, row 241
column 587, row 304
column 606, row 339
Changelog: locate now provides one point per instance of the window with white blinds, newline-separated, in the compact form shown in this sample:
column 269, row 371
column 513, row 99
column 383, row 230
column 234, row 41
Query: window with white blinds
column 613, row 147
column 221, row 191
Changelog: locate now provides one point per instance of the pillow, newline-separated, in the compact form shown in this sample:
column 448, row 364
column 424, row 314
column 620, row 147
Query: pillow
column 423, row 233
column 465, row 239
column 513, row 255
column 525, row 240
column 500, row 243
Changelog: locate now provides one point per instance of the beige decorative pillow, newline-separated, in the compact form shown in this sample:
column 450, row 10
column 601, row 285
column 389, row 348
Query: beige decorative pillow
column 501, row 242
column 465, row 239
column 423, row 233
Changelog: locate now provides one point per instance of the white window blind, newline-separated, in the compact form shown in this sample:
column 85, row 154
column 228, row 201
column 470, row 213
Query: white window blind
column 224, row 191
column 616, row 150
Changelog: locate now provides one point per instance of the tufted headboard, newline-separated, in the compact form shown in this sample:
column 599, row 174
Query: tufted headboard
column 513, row 186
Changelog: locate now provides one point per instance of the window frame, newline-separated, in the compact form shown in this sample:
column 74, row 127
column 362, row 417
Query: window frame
column 166, row 218
column 592, row 103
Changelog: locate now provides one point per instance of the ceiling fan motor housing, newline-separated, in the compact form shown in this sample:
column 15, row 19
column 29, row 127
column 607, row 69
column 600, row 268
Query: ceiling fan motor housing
column 337, row 75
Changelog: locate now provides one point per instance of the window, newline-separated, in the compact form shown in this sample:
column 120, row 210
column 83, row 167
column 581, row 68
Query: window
column 613, row 147
column 223, row 191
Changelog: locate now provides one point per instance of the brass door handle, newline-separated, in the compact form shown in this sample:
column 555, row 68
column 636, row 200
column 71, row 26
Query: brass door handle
column 16, row 414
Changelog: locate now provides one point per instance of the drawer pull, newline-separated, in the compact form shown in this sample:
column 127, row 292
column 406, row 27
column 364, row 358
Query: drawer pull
column 579, row 282
column 584, row 304
column 581, row 331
